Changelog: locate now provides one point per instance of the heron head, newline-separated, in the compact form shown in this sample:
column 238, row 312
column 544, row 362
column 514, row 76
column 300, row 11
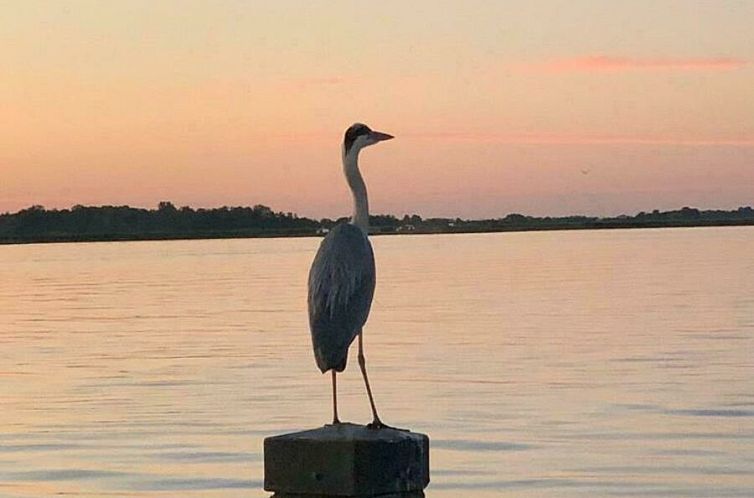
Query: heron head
column 359, row 135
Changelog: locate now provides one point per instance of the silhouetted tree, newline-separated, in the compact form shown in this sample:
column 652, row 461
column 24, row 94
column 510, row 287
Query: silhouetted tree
column 35, row 223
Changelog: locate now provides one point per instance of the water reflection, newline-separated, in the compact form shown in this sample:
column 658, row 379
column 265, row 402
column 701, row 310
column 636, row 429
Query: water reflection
column 613, row 363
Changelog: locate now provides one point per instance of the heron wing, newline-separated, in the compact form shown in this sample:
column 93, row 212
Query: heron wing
column 341, row 287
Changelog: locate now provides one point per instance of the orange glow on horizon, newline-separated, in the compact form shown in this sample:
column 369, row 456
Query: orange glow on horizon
column 494, row 105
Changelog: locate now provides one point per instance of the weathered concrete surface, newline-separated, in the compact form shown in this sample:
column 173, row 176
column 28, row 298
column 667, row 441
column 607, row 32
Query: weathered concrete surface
column 346, row 460
column 413, row 494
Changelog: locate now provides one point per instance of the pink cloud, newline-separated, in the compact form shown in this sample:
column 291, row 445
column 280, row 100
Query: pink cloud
column 593, row 63
column 562, row 139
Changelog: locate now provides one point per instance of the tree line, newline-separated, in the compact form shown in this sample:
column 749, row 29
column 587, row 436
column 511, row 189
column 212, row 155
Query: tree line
column 90, row 223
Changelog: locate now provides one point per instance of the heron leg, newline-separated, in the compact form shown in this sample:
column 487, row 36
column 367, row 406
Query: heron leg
column 335, row 419
column 376, row 423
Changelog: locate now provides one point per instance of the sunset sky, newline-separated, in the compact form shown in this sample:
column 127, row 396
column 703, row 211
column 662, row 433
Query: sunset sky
column 540, row 107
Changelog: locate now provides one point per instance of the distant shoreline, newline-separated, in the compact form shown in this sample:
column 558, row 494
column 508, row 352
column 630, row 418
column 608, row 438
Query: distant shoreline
column 37, row 225
column 612, row 224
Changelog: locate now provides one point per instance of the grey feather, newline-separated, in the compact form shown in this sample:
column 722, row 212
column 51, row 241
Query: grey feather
column 341, row 287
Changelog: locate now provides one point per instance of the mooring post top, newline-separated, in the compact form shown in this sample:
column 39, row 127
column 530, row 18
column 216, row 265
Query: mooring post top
column 410, row 494
column 346, row 460
column 347, row 431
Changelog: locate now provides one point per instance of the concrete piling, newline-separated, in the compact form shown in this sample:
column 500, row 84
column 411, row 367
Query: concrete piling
column 347, row 460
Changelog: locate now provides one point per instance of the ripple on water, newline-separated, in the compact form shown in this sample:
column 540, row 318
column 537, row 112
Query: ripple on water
column 542, row 365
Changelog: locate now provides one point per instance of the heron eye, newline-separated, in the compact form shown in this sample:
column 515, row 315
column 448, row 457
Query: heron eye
column 353, row 133
column 361, row 130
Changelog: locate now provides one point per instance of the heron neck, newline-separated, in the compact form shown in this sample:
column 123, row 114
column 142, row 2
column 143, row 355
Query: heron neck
column 360, row 216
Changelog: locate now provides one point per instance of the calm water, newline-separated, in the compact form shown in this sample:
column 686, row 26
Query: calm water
column 557, row 364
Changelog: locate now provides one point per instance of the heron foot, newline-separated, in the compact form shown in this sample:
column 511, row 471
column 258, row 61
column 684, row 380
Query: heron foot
column 377, row 425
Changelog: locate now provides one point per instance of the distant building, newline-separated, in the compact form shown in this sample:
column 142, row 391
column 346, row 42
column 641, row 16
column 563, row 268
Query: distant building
column 323, row 231
column 406, row 228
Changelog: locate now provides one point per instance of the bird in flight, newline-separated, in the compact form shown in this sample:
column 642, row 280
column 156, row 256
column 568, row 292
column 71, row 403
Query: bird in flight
column 342, row 276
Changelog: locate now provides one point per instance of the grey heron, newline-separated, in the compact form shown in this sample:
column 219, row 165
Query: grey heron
column 342, row 276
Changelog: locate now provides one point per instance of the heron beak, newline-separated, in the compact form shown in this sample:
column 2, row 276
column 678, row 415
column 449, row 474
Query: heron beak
column 378, row 136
